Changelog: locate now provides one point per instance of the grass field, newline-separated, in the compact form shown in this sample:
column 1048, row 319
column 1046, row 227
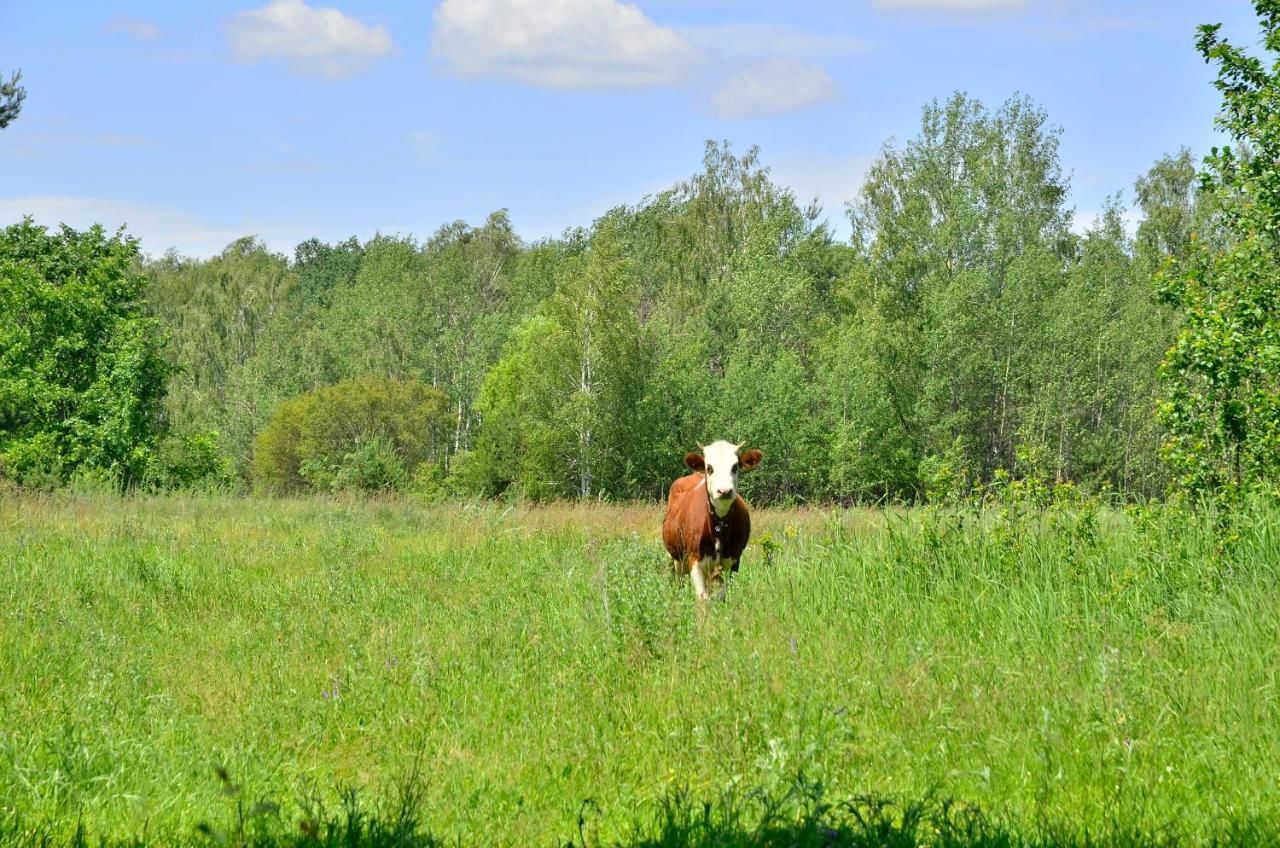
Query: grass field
column 1045, row 677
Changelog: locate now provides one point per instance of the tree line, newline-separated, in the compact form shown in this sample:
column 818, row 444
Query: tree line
column 965, row 333
column 964, row 338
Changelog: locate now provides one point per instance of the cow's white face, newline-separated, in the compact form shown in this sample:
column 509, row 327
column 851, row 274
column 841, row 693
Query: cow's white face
column 721, row 460
column 720, row 464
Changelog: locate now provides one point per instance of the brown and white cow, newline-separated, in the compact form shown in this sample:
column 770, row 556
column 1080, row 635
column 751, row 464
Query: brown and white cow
column 707, row 524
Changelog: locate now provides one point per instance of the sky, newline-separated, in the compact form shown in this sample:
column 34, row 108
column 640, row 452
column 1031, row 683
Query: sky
column 194, row 124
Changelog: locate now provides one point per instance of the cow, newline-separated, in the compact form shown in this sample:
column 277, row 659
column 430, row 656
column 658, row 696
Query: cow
column 707, row 524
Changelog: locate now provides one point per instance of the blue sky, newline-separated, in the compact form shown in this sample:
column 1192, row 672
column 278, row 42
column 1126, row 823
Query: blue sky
column 197, row 123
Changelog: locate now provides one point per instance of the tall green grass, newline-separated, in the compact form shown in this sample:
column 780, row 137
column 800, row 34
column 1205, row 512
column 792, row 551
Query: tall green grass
column 1056, row 676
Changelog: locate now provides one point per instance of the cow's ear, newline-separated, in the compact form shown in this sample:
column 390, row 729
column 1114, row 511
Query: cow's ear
column 694, row 461
column 750, row 459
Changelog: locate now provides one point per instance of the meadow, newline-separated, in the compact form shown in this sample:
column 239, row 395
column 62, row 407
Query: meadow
column 220, row 670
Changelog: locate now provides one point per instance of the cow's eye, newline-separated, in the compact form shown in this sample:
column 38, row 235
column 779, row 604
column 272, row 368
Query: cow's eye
column 710, row 470
column 734, row 469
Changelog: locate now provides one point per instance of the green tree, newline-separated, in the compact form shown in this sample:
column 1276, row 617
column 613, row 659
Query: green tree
column 964, row 235
column 1171, row 209
column 189, row 461
column 729, row 273
column 1088, row 419
column 323, row 269
column 11, row 97
column 82, row 375
column 295, row 349
column 438, row 312
column 218, row 311
column 872, row 454
column 478, row 287
column 558, row 407
column 382, row 323
column 729, row 214
column 775, row 313
column 1222, row 376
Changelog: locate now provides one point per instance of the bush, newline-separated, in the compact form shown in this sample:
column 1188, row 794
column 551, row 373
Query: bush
column 189, row 461
column 430, row 482
column 357, row 434
column 469, row 475
column 373, row 466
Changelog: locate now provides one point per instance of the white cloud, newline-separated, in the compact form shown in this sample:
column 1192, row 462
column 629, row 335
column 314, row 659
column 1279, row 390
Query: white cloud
column 134, row 28
column 559, row 43
column 312, row 41
column 951, row 5
column 156, row 228
column 771, row 87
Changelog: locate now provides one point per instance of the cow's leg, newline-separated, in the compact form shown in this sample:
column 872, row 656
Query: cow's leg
column 725, row 574
column 699, row 580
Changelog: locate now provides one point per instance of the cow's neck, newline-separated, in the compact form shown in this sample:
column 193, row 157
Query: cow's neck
column 718, row 521
column 716, row 517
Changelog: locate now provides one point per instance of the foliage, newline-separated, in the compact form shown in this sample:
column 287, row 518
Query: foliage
column 11, row 97
column 217, row 313
column 1222, row 376
column 81, row 372
column 373, row 466
column 322, row 270
column 1172, row 208
column 1088, row 414
column 731, row 273
column 984, row 337
column 369, row 433
column 254, row 330
column 966, row 332
column 189, row 461
column 551, row 403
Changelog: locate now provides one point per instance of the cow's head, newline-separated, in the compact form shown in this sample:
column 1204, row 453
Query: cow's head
column 720, row 462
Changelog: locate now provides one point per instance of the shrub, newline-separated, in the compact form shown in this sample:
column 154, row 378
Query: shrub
column 191, row 460
column 357, row 434
column 373, row 466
